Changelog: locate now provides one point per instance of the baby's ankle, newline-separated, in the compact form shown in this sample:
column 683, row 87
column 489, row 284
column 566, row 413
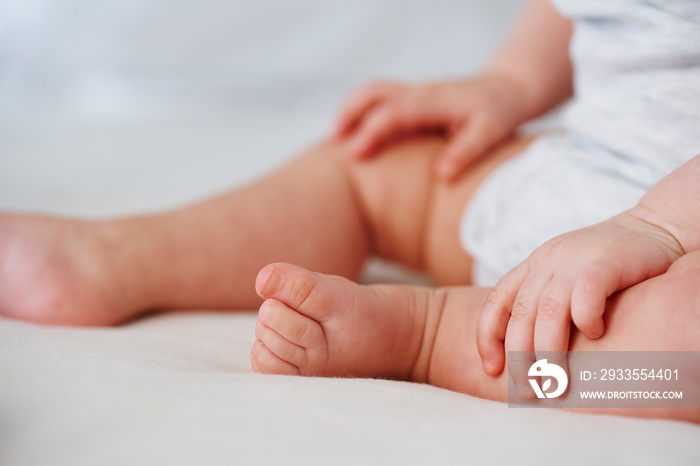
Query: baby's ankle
column 429, row 303
column 125, row 262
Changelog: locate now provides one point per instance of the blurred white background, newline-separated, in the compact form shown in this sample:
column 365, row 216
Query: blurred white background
column 119, row 107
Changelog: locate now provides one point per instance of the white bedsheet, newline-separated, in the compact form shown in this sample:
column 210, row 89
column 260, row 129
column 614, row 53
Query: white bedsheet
column 126, row 125
column 178, row 389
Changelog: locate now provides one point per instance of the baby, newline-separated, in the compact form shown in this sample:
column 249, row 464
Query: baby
column 627, row 155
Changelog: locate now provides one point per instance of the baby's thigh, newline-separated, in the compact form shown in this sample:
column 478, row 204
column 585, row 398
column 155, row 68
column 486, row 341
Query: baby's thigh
column 412, row 217
column 393, row 189
column 659, row 314
column 445, row 258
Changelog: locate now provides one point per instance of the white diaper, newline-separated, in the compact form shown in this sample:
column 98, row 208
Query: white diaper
column 558, row 184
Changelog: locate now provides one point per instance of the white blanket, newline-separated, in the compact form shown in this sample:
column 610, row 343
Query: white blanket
column 178, row 389
column 104, row 113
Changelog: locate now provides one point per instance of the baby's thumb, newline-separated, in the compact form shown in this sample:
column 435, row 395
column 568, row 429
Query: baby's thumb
column 463, row 148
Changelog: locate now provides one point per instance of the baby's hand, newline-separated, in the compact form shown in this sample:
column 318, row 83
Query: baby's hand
column 475, row 114
column 569, row 278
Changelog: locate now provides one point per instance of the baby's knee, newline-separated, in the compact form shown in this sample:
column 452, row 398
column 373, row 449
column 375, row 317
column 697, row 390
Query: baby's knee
column 687, row 266
column 681, row 302
column 659, row 314
column 684, row 275
column 393, row 189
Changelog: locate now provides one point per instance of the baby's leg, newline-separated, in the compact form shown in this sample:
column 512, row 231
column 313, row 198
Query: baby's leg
column 313, row 324
column 660, row 314
column 203, row 256
column 322, row 211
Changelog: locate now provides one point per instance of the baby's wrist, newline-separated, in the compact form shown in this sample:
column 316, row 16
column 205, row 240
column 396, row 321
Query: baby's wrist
column 660, row 227
column 680, row 221
column 672, row 204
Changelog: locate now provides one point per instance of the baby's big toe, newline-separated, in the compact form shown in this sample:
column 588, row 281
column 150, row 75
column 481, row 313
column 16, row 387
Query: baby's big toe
column 308, row 293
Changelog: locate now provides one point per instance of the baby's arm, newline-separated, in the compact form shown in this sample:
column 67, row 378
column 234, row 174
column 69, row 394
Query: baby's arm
column 674, row 205
column 536, row 55
column 529, row 75
column 571, row 276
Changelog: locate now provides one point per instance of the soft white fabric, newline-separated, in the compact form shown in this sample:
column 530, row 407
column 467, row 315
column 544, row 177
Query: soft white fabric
column 104, row 113
column 637, row 79
column 177, row 389
column 633, row 120
column 557, row 184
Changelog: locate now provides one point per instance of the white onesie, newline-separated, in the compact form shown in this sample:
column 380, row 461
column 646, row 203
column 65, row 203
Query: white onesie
column 634, row 119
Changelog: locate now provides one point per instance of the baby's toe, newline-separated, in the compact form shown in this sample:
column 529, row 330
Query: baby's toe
column 280, row 346
column 290, row 324
column 292, row 337
column 310, row 294
column 265, row 361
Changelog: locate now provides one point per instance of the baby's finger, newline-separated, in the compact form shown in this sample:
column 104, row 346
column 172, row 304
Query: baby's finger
column 384, row 123
column 589, row 295
column 494, row 317
column 520, row 335
column 380, row 125
column 360, row 102
column 472, row 140
column 553, row 323
column 519, row 364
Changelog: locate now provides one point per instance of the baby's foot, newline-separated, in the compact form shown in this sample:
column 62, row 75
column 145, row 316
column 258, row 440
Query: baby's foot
column 58, row 271
column 321, row 325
